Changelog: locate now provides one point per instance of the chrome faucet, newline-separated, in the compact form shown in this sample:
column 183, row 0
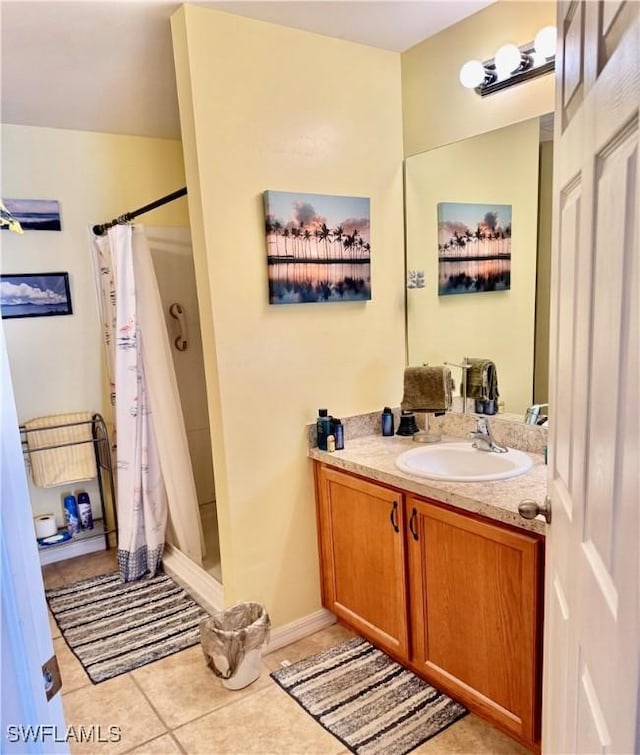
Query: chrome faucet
column 482, row 438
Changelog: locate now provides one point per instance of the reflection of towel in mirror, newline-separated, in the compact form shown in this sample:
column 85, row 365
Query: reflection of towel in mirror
column 65, row 465
column 427, row 389
column 482, row 380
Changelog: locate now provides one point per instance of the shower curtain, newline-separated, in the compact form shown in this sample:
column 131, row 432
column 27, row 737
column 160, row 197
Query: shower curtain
column 153, row 467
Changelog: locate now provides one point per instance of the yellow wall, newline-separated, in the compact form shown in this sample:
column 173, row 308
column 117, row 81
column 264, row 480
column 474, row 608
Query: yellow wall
column 56, row 361
column 438, row 110
column 268, row 107
column 502, row 168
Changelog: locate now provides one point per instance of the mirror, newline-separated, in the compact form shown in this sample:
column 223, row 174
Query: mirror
column 508, row 324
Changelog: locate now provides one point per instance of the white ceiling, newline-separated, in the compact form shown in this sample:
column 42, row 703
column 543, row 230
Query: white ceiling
column 108, row 66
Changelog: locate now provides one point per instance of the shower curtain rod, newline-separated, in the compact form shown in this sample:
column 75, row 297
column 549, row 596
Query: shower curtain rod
column 129, row 216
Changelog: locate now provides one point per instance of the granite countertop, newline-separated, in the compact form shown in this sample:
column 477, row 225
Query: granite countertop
column 373, row 456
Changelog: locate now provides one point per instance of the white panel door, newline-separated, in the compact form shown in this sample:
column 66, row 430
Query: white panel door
column 592, row 619
column 30, row 723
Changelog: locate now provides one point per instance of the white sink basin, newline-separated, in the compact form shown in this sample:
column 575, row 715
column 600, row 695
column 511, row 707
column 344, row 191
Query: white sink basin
column 461, row 462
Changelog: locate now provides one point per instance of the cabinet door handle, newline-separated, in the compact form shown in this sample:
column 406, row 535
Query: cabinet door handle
column 414, row 534
column 394, row 516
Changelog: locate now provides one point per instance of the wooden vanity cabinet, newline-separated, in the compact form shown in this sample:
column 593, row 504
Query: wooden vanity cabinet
column 362, row 546
column 454, row 596
column 476, row 613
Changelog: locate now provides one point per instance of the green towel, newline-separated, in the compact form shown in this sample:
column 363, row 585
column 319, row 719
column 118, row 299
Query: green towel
column 482, row 380
column 427, row 389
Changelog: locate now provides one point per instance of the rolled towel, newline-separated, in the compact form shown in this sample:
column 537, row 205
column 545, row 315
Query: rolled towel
column 68, row 463
column 427, row 389
column 482, row 380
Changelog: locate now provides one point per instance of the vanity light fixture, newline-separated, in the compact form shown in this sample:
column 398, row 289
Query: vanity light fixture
column 512, row 64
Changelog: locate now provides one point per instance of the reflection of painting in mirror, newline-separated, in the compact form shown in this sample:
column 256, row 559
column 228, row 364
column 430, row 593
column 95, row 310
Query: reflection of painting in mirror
column 318, row 247
column 474, row 248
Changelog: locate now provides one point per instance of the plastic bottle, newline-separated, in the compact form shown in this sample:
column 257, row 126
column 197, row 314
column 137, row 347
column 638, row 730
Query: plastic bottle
column 337, row 429
column 71, row 514
column 387, row 421
column 323, row 426
column 331, row 443
column 84, row 511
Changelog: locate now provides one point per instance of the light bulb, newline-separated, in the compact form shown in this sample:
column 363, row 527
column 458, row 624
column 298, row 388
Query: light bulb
column 537, row 59
column 507, row 60
column 545, row 41
column 472, row 74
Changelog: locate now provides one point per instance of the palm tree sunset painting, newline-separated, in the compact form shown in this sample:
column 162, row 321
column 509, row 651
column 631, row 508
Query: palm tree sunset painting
column 318, row 247
column 474, row 248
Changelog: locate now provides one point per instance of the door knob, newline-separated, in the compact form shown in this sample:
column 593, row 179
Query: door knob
column 529, row 509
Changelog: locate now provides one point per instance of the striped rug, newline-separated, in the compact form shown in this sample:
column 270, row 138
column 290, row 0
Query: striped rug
column 113, row 627
column 369, row 702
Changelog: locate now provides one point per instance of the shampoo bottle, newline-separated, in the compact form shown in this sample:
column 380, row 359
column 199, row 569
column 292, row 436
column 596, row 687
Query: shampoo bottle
column 323, row 427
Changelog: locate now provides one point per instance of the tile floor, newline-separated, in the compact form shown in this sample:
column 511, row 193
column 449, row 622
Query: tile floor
column 176, row 705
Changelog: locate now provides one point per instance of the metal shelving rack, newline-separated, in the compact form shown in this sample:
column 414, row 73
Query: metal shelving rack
column 104, row 474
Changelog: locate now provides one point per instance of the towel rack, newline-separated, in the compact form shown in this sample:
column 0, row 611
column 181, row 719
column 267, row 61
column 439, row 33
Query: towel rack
column 104, row 467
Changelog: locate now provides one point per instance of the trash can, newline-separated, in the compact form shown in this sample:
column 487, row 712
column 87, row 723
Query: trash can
column 232, row 642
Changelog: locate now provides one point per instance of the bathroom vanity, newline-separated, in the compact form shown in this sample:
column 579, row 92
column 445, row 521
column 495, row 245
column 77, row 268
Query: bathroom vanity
column 445, row 577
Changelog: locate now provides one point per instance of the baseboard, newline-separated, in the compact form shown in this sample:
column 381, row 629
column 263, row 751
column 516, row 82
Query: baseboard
column 207, row 591
column 202, row 587
column 299, row 629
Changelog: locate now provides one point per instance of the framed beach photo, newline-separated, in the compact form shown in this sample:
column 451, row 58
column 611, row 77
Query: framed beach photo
column 474, row 248
column 318, row 247
column 35, row 295
column 35, row 214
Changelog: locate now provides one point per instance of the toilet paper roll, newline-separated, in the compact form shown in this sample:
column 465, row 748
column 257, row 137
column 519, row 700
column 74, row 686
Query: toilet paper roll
column 45, row 525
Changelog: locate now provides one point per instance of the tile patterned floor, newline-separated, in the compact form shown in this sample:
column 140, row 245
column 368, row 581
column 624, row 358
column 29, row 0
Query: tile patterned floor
column 176, row 705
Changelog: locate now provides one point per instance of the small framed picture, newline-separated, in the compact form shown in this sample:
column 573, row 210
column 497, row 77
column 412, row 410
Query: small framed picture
column 35, row 295
column 35, row 214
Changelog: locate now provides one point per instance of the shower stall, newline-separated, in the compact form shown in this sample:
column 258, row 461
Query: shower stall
column 172, row 256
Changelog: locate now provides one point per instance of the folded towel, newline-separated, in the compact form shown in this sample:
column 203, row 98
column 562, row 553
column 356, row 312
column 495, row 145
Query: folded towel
column 427, row 389
column 66, row 465
column 482, row 380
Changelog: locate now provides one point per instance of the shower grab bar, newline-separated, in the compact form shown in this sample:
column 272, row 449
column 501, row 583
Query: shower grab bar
column 177, row 312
